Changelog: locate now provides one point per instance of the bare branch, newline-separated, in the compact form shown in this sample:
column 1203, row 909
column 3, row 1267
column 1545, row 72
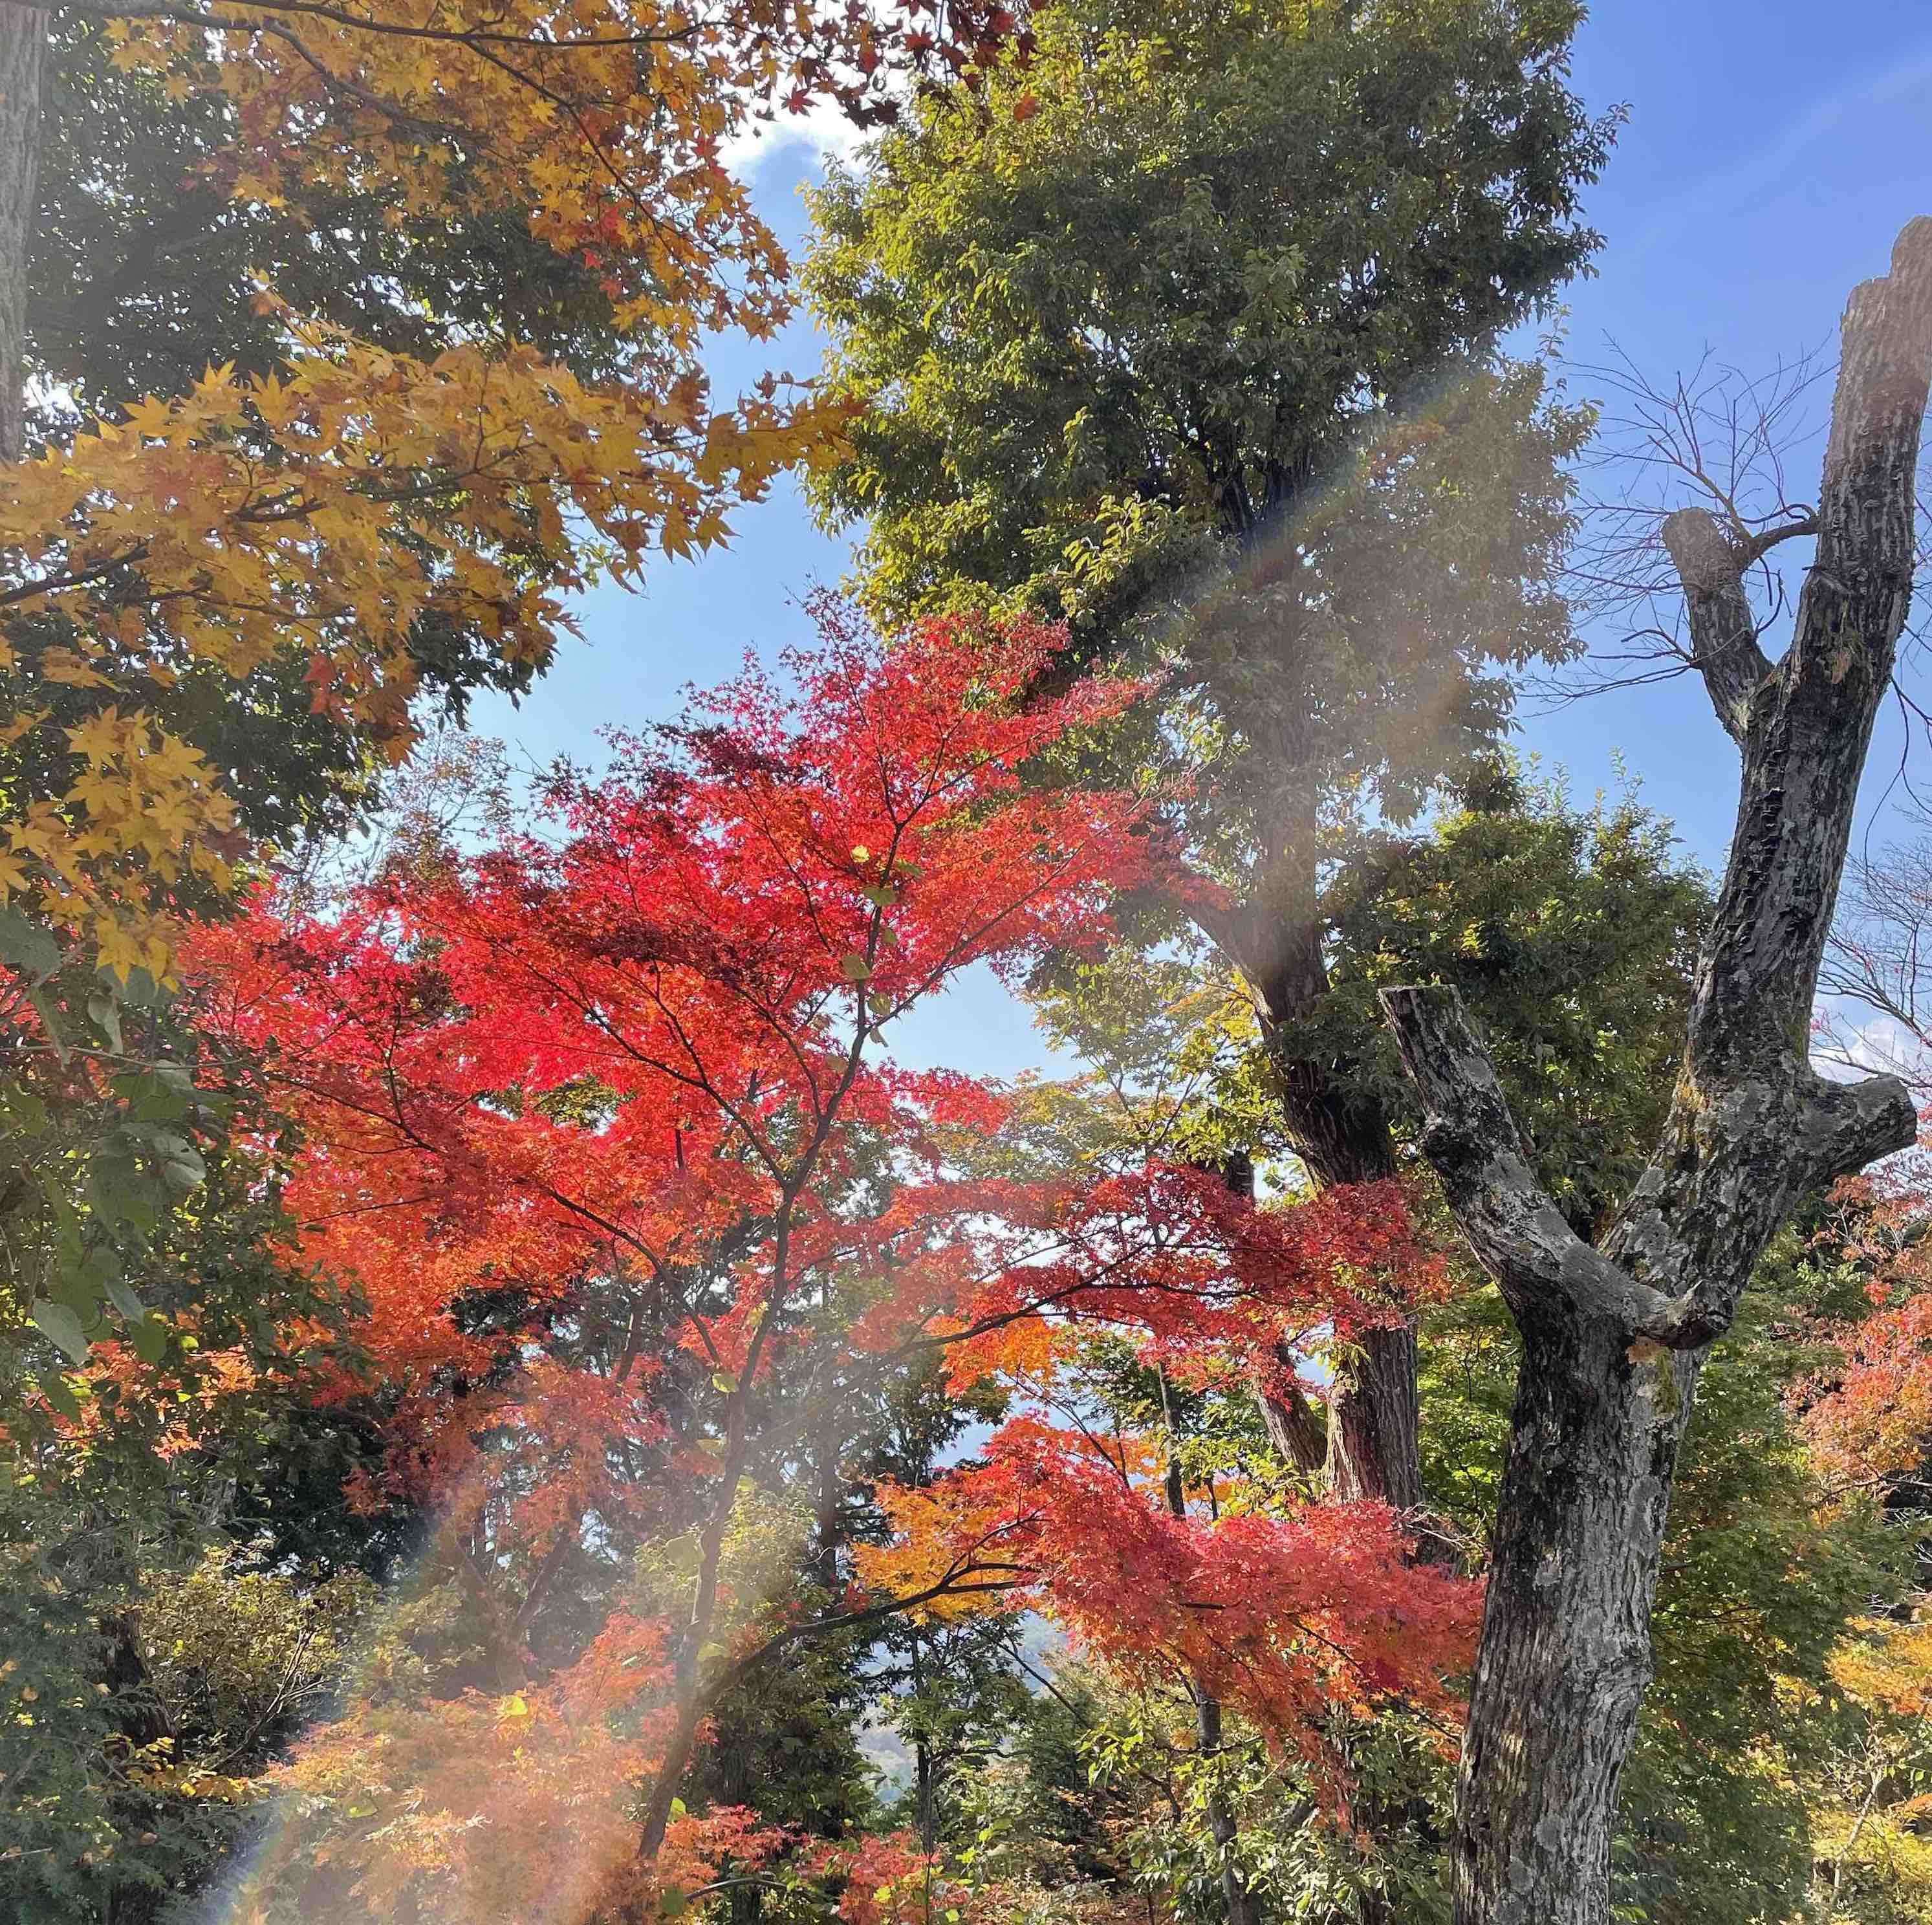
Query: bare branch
column 1723, row 632
column 1723, row 438
column 1517, row 1233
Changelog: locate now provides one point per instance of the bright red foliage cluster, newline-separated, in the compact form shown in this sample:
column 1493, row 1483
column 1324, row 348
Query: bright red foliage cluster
column 1215, row 1287
column 614, row 1051
column 598, row 1123
column 1283, row 1618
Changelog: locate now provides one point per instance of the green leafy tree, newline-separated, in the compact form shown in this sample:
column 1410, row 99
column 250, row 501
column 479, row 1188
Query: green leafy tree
column 1184, row 329
column 179, row 1570
column 1571, row 928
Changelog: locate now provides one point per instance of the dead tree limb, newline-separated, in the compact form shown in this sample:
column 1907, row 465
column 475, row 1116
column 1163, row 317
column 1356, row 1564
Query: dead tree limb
column 1614, row 1338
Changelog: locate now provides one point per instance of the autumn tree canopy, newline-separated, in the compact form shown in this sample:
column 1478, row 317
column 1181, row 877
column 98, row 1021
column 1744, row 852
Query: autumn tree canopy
column 1189, row 334
column 417, row 297
column 598, row 1127
column 538, row 1382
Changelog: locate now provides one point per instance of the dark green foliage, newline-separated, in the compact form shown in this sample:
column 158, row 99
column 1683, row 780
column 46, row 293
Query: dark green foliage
column 1159, row 276
column 787, row 1743
column 1572, row 933
column 1185, row 333
column 211, row 1447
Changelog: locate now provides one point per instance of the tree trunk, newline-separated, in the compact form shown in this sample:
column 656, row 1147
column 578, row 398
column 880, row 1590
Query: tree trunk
column 140, row 1720
column 923, row 1777
column 1614, row 1339
column 1375, row 1448
column 1372, row 1447
column 1295, row 1434
column 1374, row 1413
column 23, row 41
column 1242, row 1909
column 1565, row 1653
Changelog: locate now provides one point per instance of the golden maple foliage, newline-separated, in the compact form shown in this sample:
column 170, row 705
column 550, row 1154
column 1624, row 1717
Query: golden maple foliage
column 320, row 513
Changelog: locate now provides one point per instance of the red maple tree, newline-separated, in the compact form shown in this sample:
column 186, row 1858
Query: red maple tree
column 600, row 1123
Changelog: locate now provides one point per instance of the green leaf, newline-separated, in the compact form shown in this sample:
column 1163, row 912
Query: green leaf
column 103, row 1012
column 80, row 1286
column 140, row 991
column 150, row 1340
column 29, row 947
column 44, row 1008
column 58, row 1324
column 854, row 967
column 26, row 1111
column 723, row 1381
column 116, row 1185
column 69, row 1229
column 121, row 1294
column 153, row 1095
column 672, row 1903
column 54, row 1388
column 182, row 1168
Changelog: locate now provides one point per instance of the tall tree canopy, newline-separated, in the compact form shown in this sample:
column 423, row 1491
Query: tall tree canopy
column 1185, row 330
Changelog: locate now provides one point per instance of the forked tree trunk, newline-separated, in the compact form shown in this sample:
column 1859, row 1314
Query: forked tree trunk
column 1370, row 1447
column 23, row 40
column 1614, row 1338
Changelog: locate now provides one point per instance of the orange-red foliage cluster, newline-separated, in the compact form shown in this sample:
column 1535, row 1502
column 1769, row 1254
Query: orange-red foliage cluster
column 598, row 1122
column 1282, row 1618
column 1871, row 1421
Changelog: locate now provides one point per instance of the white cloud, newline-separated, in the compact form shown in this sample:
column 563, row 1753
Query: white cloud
column 823, row 129
column 1878, row 1045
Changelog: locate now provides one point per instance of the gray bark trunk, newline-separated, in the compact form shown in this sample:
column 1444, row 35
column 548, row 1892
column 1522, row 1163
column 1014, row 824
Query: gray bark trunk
column 1565, row 1653
column 1242, row 1909
column 1614, row 1339
column 1372, row 1448
column 23, row 40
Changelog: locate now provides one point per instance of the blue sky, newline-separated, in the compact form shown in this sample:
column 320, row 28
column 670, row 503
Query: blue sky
column 1774, row 149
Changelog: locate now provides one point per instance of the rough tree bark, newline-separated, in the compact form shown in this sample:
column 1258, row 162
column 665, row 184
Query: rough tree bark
column 1370, row 1445
column 1614, row 1338
column 23, row 40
